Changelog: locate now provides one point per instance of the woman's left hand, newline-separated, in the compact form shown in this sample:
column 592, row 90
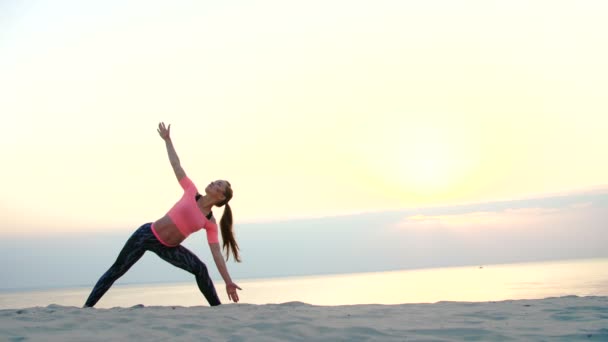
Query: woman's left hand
column 164, row 131
column 231, row 290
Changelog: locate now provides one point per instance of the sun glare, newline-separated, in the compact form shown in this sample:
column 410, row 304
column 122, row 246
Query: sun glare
column 421, row 161
column 426, row 166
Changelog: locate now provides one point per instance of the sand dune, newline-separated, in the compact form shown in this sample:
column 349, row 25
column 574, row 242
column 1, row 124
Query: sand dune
column 563, row 319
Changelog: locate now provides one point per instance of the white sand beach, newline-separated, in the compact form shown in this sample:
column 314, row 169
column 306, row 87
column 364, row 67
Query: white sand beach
column 568, row 318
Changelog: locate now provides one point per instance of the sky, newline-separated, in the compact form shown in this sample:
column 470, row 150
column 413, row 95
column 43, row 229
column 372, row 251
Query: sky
column 310, row 109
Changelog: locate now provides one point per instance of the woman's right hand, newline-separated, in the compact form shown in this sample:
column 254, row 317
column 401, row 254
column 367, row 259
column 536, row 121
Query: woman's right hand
column 163, row 131
column 231, row 290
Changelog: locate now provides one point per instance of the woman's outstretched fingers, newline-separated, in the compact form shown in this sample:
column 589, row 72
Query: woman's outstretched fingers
column 231, row 290
column 163, row 131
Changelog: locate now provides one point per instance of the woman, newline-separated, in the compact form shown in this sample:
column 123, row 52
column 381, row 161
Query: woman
column 163, row 237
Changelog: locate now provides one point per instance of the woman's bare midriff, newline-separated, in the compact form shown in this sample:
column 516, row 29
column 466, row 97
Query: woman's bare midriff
column 167, row 231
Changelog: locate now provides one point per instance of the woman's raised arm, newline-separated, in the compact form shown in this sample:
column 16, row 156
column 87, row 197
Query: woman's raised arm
column 165, row 133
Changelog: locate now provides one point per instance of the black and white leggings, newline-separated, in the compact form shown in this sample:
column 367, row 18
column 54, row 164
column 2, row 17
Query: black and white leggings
column 144, row 240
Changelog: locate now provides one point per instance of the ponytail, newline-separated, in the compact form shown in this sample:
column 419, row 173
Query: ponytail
column 229, row 243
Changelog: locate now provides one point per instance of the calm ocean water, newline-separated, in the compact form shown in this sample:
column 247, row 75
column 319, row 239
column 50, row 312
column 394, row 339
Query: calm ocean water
column 472, row 283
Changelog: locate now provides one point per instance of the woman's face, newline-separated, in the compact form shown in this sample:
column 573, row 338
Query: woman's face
column 217, row 189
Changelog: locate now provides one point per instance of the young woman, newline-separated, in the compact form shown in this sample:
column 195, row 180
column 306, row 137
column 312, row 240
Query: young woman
column 163, row 237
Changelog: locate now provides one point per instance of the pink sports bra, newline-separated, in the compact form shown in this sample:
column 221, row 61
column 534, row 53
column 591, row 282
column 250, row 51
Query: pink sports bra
column 188, row 217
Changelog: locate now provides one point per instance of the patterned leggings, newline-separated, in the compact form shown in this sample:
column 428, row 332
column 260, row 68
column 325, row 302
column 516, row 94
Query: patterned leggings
column 144, row 240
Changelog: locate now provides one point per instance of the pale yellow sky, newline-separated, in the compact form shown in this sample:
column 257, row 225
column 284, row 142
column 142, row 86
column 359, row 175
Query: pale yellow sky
column 309, row 109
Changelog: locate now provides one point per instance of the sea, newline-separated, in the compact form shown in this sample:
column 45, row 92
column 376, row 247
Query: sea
column 476, row 283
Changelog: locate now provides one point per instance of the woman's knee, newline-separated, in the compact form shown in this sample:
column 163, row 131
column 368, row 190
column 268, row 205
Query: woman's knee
column 201, row 269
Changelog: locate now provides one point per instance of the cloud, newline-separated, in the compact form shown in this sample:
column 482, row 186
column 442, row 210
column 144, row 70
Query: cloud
column 508, row 219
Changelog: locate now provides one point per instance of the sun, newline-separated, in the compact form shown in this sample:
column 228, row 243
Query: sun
column 421, row 162
column 426, row 165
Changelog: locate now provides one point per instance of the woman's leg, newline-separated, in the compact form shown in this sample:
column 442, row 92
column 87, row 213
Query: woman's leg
column 133, row 250
column 181, row 257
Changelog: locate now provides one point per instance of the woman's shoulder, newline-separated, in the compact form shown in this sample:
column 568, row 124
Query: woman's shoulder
column 187, row 183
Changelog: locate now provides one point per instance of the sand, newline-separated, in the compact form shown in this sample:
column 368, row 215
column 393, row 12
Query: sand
column 553, row 319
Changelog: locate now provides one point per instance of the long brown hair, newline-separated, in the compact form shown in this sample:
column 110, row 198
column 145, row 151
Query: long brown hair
column 228, row 240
